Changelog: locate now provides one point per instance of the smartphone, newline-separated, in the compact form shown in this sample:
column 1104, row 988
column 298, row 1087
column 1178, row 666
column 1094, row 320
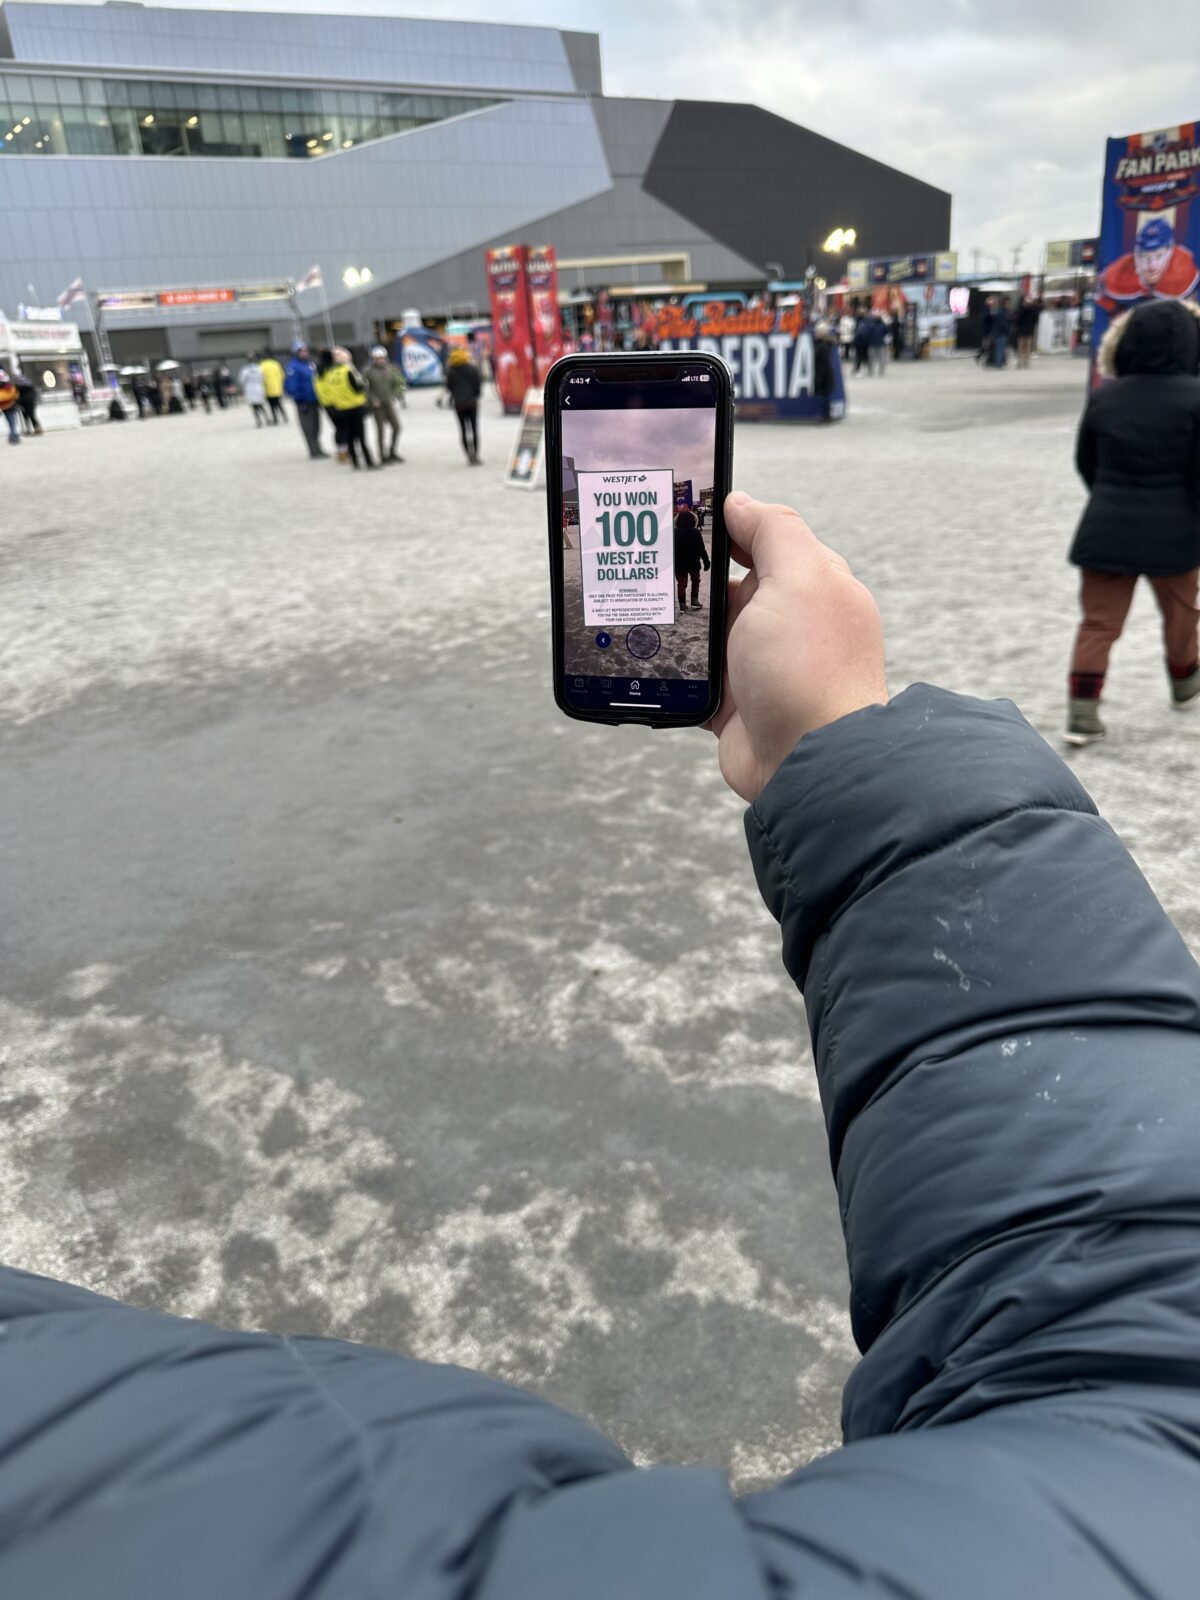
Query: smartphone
column 639, row 453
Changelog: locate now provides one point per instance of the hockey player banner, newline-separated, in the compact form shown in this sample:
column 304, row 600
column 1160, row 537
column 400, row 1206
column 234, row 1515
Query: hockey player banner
column 1150, row 223
column 512, row 339
column 541, row 275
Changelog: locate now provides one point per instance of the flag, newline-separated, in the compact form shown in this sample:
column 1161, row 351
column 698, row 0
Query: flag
column 74, row 291
column 311, row 280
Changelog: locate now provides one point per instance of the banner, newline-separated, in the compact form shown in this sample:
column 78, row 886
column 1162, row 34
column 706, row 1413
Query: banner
column 525, row 463
column 421, row 357
column 627, row 547
column 512, row 339
column 770, row 355
column 541, row 275
column 939, row 267
column 1064, row 254
column 1150, row 223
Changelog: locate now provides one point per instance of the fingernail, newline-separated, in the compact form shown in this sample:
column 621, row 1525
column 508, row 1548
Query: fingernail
column 739, row 498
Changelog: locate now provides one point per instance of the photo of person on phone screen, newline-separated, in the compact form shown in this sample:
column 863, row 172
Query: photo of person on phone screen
column 690, row 557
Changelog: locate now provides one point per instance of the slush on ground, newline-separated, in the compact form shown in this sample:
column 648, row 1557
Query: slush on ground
column 350, row 988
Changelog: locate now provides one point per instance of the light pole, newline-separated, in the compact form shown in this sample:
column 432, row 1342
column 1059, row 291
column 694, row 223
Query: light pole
column 358, row 278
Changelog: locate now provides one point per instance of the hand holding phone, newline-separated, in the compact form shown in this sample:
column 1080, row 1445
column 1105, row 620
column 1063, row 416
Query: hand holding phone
column 638, row 456
column 805, row 643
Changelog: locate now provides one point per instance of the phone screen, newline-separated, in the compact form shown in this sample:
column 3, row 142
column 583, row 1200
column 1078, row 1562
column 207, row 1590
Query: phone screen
column 640, row 469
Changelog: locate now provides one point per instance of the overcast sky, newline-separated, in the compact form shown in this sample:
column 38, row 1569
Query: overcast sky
column 682, row 440
column 1006, row 103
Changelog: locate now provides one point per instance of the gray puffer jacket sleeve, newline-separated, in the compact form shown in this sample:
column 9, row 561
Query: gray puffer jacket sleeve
column 1007, row 1036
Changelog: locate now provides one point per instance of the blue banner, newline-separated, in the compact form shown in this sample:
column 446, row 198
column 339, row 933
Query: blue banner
column 772, row 374
column 1150, row 223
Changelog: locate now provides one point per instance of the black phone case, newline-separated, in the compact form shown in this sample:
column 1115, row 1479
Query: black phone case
column 722, row 482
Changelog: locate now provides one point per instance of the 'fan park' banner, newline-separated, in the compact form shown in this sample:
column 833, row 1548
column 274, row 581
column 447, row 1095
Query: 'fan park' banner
column 770, row 354
column 512, row 337
column 1150, row 224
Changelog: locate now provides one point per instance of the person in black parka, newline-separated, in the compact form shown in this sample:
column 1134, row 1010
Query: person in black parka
column 690, row 556
column 823, row 381
column 1006, row 1033
column 1139, row 454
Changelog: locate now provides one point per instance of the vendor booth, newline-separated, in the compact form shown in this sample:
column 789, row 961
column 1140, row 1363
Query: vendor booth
column 50, row 354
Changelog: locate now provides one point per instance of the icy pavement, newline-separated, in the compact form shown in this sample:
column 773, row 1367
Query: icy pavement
column 349, row 988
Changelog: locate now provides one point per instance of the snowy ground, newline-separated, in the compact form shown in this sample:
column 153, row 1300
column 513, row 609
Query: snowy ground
column 348, row 987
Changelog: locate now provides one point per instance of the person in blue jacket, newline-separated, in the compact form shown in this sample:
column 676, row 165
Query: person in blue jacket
column 298, row 385
column 1006, row 1030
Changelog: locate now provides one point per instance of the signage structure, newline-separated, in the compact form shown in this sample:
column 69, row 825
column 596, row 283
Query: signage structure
column 525, row 463
column 627, row 547
column 512, row 337
column 770, row 355
column 1150, row 223
column 938, row 267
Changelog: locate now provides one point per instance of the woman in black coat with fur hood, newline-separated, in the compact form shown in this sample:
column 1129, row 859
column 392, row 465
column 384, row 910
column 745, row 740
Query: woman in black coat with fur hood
column 1139, row 454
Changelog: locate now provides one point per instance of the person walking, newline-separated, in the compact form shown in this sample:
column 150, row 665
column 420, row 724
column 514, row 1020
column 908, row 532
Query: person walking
column 272, row 376
column 299, row 384
column 877, row 338
column 1001, row 327
column 10, row 405
column 463, row 385
column 347, row 394
column 27, row 399
column 983, row 356
column 896, row 333
column 1028, row 314
column 385, row 383
column 823, row 348
column 846, row 334
column 250, row 382
column 189, row 391
column 690, row 557
column 862, row 341
column 1139, row 454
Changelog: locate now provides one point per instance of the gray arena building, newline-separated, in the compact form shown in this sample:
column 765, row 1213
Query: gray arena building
column 151, row 148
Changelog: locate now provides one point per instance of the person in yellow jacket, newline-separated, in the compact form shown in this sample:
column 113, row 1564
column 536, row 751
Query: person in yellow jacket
column 341, row 390
column 10, row 405
column 272, row 376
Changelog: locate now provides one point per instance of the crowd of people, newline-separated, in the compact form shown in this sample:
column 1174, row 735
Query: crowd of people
column 361, row 404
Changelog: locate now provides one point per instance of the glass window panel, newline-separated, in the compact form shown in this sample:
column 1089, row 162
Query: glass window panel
column 160, row 133
column 44, row 93
column 89, row 132
column 70, row 91
column 233, row 129
column 124, row 131
column 253, row 136
column 227, row 97
column 93, row 92
column 248, row 99
column 348, row 103
column 160, row 95
column 54, row 137
column 274, row 134
column 206, row 96
column 271, row 100
column 16, row 86
column 116, row 92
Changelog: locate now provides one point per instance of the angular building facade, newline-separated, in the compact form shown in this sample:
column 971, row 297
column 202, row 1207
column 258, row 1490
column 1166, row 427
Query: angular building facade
column 153, row 148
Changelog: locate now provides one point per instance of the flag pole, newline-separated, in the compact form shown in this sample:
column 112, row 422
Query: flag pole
column 325, row 309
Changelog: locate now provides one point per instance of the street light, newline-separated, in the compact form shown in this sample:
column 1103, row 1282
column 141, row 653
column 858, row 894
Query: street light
column 357, row 277
column 841, row 239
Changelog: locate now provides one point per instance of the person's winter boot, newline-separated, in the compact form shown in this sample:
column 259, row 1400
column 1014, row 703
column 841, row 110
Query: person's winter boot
column 1083, row 722
column 1185, row 692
